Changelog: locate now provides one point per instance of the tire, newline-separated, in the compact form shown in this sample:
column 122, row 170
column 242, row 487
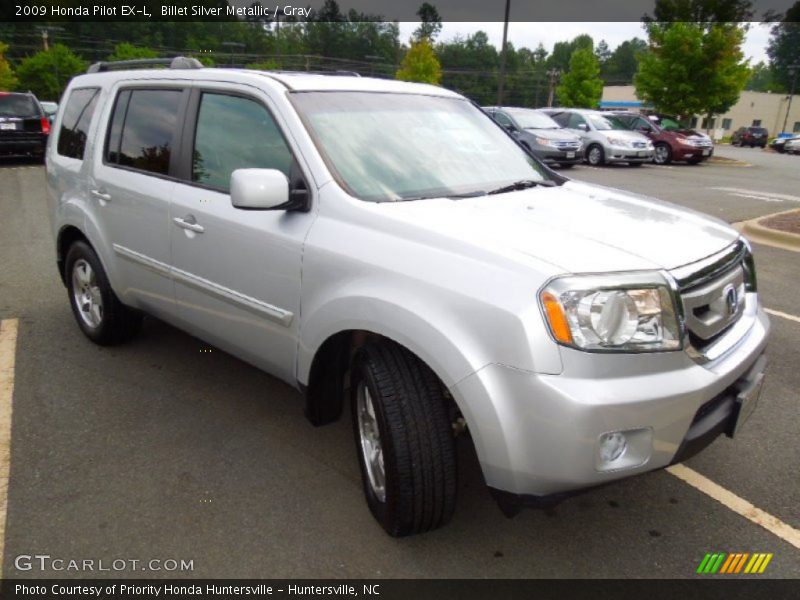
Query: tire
column 662, row 154
column 98, row 311
column 414, row 439
column 595, row 155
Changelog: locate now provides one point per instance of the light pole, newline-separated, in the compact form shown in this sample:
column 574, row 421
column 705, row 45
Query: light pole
column 793, row 69
column 503, row 57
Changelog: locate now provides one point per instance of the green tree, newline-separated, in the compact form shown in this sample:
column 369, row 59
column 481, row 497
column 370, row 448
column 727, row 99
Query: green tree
column 47, row 73
column 784, row 47
column 762, row 79
column 420, row 64
column 581, row 86
column 8, row 80
column 701, row 11
column 693, row 68
column 126, row 51
column 431, row 22
column 624, row 62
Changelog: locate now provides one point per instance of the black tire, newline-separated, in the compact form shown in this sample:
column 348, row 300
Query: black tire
column 117, row 322
column 666, row 154
column 416, row 438
column 595, row 158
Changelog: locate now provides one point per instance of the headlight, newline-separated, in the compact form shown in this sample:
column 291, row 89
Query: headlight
column 620, row 312
column 618, row 141
column 544, row 142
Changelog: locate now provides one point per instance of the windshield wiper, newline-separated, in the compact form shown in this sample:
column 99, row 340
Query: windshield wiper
column 474, row 194
column 522, row 184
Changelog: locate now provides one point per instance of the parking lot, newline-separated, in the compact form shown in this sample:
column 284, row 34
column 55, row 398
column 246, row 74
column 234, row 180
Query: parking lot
column 167, row 449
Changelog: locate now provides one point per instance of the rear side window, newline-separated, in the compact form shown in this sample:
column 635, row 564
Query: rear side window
column 142, row 129
column 18, row 105
column 235, row 133
column 75, row 122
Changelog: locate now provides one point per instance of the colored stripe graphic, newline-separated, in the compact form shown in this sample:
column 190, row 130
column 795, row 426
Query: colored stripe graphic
column 734, row 563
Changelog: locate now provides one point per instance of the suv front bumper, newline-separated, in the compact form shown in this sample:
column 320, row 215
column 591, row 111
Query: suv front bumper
column 537, row 436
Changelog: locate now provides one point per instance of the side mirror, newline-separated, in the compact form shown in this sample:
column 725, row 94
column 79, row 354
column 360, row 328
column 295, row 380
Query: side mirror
column 645, row 128
column 259, row 189
column 510, row 127
column 583, row 127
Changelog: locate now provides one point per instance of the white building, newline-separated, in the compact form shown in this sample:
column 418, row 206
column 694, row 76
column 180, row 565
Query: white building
column 759, row 109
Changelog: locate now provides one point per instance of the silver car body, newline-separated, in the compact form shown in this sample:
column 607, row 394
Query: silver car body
column 617, row 145
column 455, row 282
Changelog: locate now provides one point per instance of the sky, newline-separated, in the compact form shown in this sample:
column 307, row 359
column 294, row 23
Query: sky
column 530, row 34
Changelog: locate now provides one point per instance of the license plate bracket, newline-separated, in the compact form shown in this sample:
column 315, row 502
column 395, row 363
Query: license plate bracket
column 8, row 126
column 745, row 402
column 570, row 155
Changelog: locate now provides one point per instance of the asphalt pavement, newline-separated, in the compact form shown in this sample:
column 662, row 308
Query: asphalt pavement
column 167, row 449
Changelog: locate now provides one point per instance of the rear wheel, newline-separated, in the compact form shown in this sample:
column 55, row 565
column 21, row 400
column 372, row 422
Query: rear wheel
column 98, row 311
column 595, row 155
column 662, row 154
column 404, row 439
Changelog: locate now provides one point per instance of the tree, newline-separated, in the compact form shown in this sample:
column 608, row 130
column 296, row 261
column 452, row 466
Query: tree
column 581, row 86
column 624, row 61
column 8, row 80
column 126, row 51
column 700, row 11
column 603, row 53
column 431, row 22
column 47, row 73
column 420, row 64
column 784, row 47
column 693, row 69
column 762, row 79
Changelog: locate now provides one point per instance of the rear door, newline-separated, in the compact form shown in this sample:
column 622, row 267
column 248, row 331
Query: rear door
column 237, row 272
column 130, row 190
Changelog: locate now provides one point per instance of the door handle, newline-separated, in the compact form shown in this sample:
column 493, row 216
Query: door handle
column 186, row 223
column 101, row 195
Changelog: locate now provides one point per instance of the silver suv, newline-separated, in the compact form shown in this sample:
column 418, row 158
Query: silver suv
column 606, row 139
column 387, row 245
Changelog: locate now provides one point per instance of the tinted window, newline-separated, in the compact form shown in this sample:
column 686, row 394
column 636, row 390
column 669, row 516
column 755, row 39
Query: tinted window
column 18, row 105
column 235, row 133
column 561, row 118
column 75, row 122
column 502, row 119
column 142, row 128
column 574, row 120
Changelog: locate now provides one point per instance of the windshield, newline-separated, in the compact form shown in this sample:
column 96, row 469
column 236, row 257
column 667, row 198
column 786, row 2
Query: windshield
column 605, row 122
column 18, row 105
column 388, row 147
column 531, row 119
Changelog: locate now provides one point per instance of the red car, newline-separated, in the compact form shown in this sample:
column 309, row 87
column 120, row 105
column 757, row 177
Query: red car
column 671, row 140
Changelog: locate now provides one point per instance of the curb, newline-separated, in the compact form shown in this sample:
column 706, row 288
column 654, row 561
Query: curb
column 766, row 235
column 724, row 161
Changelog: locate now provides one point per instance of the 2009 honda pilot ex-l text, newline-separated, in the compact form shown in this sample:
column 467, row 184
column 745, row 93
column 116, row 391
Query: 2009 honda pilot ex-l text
column 388, row 245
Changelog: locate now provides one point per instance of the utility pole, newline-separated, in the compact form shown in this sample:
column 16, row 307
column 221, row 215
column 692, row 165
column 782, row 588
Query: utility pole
column 503, row 57
column 46, row 35
column 793, row 69
column 44, row 40
column 553, row 75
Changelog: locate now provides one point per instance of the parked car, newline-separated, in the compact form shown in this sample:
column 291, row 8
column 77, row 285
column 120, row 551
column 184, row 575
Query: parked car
column 50, row 109
column 540, row 134
column 24, row 126
column 448, row 280
column 606, row 139
column 750, row 136
column 779, row 143
column 671, row 141
column 793, row 145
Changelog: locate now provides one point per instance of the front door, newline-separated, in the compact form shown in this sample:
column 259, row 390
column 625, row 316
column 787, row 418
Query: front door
column 237, row 272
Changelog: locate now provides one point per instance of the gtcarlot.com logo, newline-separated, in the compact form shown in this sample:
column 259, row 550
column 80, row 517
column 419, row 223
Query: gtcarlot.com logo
column 734, row 563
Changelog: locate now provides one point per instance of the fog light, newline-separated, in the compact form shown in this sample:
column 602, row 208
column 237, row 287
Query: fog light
column 612, row 446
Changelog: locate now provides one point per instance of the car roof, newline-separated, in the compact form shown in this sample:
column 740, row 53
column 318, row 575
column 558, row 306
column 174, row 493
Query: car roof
column 295, row 81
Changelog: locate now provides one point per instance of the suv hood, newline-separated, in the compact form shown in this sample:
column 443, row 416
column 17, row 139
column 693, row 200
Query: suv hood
column 553, row 134
column 575, row 227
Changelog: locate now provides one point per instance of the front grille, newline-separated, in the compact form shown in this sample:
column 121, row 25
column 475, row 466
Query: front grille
column 713, row 295
column 640, row 144
column 567, row 145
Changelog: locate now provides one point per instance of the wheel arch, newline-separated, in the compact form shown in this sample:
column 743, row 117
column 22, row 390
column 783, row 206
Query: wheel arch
column 67, row 235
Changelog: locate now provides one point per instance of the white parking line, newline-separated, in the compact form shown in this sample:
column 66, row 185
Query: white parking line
column 738, row 505
column 783, row 315
column 758, row 194
column 8, row 346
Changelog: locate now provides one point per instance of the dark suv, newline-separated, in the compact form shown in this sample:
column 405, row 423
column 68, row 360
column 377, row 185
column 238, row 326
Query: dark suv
column 671, row 141
column 750, row 136
column 24, row 126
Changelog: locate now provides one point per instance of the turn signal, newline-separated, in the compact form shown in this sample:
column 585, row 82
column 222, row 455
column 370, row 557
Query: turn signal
column 556, row 318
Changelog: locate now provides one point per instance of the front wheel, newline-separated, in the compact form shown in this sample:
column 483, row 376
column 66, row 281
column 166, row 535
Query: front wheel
column 595, row 155
column 662, row 154
column 404, row 439
column 98, row 311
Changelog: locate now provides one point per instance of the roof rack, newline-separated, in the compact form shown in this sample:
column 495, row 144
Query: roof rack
column 179, row 62
column 338, row 73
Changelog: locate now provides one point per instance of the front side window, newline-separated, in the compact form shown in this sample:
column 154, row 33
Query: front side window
column 392, row 147
column 503, row 119
column 606, row 122
column 235, row 133
column 142, row 129
column 576, row 120
column 75, row 122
